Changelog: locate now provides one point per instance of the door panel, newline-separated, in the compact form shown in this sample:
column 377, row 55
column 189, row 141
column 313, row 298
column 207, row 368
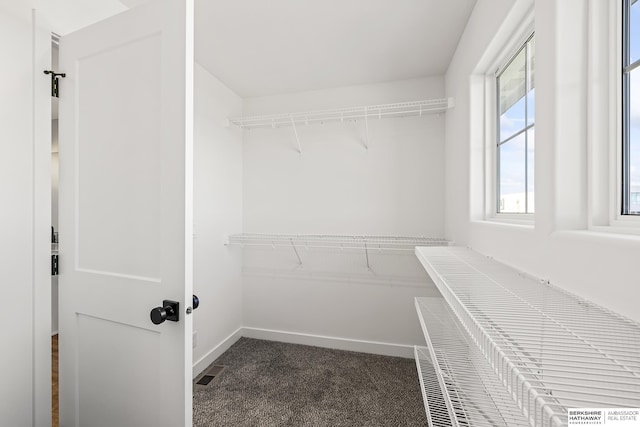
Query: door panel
column 129, row 237
column 97, row 337
column 125, row 218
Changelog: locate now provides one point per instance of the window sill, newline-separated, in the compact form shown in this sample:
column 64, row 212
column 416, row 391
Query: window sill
column 601, row 235
column 622, row 226
column 526, row 220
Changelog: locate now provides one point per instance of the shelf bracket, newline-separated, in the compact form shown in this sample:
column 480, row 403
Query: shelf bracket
column 296, row 251
column 366, row 125
column 366, row 254
column 295, row 131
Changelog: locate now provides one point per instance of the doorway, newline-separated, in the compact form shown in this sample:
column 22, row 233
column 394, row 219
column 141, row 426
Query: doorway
column 26, row 189
column 55, row 42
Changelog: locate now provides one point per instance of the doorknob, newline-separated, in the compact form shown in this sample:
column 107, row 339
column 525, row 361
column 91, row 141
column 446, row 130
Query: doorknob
column 169, row 311
column 196, row 302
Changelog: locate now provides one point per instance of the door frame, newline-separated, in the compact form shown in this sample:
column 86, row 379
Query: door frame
column 41, row 105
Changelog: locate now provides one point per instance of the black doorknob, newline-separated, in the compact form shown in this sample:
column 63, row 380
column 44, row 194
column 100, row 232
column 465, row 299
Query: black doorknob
column 196, row 302
column 168, row 311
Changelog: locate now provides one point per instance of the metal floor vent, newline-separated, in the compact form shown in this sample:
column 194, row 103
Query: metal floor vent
column 209, row 375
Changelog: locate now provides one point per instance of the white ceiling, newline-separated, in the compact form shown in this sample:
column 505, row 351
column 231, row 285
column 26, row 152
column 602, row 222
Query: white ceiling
column 266, row 47
column 259, row 47
column 65, row 16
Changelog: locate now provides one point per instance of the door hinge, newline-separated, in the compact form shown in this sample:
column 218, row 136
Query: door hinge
column 55, row 90
column 54, row 265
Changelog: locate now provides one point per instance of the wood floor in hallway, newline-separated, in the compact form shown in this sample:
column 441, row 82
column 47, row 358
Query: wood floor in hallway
column 54, row 380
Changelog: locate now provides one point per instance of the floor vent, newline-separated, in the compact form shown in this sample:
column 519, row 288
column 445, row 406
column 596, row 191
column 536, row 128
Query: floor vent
column 209, row 375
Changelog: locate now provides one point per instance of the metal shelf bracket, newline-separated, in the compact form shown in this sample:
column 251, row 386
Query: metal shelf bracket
column 295, row 131
column 296, row 251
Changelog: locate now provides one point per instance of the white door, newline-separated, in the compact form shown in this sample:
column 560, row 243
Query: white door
column 126, row 218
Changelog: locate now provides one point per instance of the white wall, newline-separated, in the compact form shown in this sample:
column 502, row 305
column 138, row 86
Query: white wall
column 333, row 300
column 601, row 267
column 337, row 186
column 25, row 394
column 486, row 18
column 217, row 213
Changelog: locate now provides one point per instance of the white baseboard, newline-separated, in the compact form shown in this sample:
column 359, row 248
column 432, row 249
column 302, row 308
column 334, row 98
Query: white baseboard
column 216, row 352
column 372, row 347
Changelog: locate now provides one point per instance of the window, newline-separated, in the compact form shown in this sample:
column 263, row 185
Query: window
column 631, row 108
column 516, row 132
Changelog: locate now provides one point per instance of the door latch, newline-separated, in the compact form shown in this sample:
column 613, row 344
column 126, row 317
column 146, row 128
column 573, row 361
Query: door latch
column 196, row 304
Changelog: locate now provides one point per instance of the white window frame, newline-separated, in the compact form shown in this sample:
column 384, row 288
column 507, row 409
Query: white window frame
column 509, row 49
column 624, row 114
column 605, row 124
column 524, row 131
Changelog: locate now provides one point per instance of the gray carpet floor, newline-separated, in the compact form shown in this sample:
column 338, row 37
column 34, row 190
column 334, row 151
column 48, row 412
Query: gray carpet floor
column 268, row 383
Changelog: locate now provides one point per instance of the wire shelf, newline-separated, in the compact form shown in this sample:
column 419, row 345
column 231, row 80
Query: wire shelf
column 551, row 350
column 334, row 241
column 432, row 395
column 459, row 388
column 402, row 109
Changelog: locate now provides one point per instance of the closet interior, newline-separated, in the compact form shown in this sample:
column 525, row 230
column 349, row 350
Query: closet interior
column 308, row 207
column 310, row 199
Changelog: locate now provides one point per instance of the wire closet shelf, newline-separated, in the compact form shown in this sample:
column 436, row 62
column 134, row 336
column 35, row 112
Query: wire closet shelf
column 550, row 349
column 459, row 387
column 393, row 243
column 434, row 402
column 401, row 109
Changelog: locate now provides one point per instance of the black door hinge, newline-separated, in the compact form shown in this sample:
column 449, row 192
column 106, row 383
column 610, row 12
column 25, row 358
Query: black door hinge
column 54, row 265
column 55, row 90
